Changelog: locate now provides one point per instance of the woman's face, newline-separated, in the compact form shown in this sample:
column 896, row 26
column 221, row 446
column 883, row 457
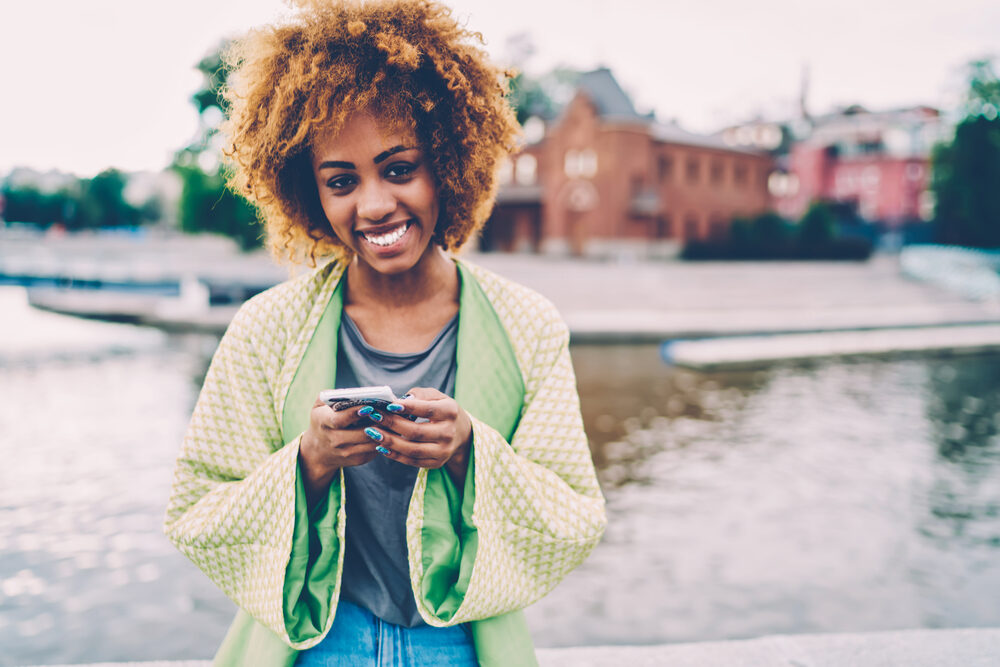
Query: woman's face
column 378, row 192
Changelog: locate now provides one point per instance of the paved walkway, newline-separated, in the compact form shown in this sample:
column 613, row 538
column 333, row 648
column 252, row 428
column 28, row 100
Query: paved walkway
column 638, row 301
column 653, row 301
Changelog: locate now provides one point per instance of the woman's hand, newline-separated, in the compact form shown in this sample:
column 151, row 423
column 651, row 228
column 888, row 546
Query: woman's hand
column 334, row 440
column 442, row 441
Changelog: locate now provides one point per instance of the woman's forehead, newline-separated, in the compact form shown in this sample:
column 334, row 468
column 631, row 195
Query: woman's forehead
column 363, row 132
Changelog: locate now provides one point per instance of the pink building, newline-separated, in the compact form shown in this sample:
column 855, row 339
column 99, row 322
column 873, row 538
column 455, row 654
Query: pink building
column 877, row 162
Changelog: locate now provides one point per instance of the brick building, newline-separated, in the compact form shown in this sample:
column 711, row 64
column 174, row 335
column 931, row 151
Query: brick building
column 877, row 163
column 602, row 177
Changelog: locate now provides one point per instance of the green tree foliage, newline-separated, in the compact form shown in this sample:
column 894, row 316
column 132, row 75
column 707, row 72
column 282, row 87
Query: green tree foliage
column 541, row 96
column 771, row 230
column 89, row 203
column 528, row 98
column 966, row 179
column 817, row 226
column 769, row 236
column 206, row 204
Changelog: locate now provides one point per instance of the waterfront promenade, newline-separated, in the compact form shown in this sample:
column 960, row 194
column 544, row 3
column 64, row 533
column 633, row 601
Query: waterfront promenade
column 602, row 301
column 754, row 312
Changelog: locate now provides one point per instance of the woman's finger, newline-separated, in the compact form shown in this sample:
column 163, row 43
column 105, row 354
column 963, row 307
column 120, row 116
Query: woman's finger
column 409, row 430
column 423, row 455
column 436, row 409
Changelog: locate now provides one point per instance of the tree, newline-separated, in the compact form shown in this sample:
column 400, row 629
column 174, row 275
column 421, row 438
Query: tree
column 206, row 204
column 87, row 203
column 101, row 202
column 817, row 226
column 966, row 178
column 543, row 95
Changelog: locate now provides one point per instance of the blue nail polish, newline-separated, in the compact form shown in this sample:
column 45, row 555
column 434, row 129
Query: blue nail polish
column 365, row 411
column 394, row 407
column 375, row 417
column 373, row 434
column 382, row 450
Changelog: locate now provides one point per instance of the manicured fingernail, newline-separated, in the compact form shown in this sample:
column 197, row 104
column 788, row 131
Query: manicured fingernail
column 373, row 434
column 394, row 407
column 375, row 417
column 382, row 450
column 365, row 411
column 407, row 396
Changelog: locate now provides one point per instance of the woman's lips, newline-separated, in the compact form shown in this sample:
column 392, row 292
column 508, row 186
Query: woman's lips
column 388, row 237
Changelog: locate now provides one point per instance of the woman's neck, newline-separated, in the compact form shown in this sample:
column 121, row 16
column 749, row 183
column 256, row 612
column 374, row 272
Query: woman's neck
column 433, row 277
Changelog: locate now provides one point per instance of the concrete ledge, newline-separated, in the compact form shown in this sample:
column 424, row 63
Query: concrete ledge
column 914, row 648
column 756, row 351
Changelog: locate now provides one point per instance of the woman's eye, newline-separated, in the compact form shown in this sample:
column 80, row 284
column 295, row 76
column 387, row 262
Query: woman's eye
column 400, row 169
column 341, row 182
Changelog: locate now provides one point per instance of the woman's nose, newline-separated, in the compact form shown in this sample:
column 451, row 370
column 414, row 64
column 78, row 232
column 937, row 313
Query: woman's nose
column 376, row 201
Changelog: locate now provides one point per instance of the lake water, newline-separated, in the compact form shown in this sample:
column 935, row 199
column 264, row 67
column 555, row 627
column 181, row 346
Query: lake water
column 828, row 498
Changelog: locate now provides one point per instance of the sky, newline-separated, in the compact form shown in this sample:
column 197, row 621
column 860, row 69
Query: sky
column 107, row 83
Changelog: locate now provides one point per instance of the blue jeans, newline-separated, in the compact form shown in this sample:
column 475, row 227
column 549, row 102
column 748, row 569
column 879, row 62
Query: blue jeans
column 358, row 638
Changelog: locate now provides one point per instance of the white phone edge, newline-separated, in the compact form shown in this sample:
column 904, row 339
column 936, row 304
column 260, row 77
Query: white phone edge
column 381, row 393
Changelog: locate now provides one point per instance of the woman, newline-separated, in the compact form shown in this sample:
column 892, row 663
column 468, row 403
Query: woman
column 370, row 134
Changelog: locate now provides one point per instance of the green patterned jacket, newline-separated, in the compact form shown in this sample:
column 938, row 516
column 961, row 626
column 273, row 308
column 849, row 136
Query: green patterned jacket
column 531, row 509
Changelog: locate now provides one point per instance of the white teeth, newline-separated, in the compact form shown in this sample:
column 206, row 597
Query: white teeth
column 388, row 238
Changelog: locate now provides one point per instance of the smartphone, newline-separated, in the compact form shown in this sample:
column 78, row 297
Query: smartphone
column 377, row 397
column 342, row 399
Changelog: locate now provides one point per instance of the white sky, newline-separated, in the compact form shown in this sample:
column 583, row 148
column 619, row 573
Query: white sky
column 88, row 84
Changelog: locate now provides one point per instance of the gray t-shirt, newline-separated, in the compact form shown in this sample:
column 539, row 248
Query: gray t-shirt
column 376, row 568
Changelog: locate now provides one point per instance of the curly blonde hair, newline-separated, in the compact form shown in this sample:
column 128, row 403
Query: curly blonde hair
column 407, row 61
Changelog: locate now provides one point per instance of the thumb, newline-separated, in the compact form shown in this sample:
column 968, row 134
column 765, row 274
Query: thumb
column 425, row 394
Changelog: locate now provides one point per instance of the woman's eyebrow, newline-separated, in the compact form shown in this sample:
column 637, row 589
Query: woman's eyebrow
column 392, row 151
column 336, row 164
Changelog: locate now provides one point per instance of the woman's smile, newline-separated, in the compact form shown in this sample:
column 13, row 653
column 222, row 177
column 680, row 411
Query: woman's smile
column 387, row 239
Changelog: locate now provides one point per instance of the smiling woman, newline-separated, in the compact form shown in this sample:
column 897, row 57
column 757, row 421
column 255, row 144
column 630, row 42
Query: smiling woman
column 369, row 136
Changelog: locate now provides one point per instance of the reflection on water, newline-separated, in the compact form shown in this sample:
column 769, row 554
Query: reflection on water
column 840, row 497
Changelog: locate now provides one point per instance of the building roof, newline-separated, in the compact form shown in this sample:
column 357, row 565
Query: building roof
column 608, row 97
column 672, row 133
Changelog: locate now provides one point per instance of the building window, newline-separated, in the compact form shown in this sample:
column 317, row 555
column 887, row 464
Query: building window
column 580, row 163
column 526, row 171
column 664, row 168
column 716, row 172
column 690, row 227
column 870, row 178
column 781, row 184
column 693, row 169
column 740, row 174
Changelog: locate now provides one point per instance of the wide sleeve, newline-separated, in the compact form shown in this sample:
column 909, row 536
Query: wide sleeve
column 535, row 512
column 232, row 508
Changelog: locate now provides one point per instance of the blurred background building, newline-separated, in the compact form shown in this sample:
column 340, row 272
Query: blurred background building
column 600, row 177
